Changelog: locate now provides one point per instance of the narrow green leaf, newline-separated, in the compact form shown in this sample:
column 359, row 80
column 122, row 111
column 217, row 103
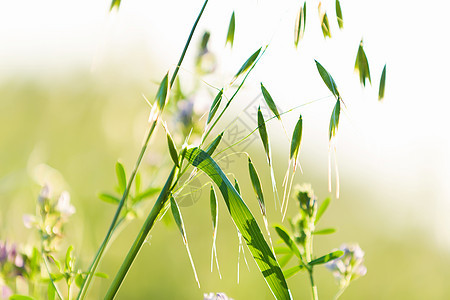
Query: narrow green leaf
column 163, row 92
column 340, row 20
column 214, row 106
column 68, row 263
column 325, row 231
column 292, row 271
column 287, row 239
column 121, row 177
column 322, row 208
column 212, row 147
column 300, row 23
column 362, row 65
column 213, row 204
column 245, row 222
column 78, row 280
column 137, row 183
column 256, row 186
column 325, row 24
column 146, row 194
column 108, row 198
column 382, row 84
column 101, row 275
column 326, row 258
column 179, row 220
column 334, row 121
column 55, row 261
column 263, row 134
column 115, row 3
column 328, row 80
column 172, row 150
column 236, row 186
column 296, row 140
column 269, row 101
column 284, row 260
column 177, row 217
column 231, row 28
column 248, row 63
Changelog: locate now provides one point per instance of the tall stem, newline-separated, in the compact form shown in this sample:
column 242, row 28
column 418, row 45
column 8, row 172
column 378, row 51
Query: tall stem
column 141, row 237
column 99, row 254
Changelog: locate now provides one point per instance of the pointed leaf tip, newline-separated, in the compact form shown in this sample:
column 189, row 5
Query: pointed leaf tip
column 382, row 84
column 269, row 101
column 231, row 29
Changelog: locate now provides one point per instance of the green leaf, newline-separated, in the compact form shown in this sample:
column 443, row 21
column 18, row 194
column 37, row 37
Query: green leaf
column 177, row 217
column 382, row 84
column 213, row 205
column 214, row 106
column 300, row 24
column 231, row 28
column 362, row 65
column 245, row 222
column 256, row 186
column 327, row 79
column 334, row 121
column 322, row 208
column 146, row 194
column 179, row 221
column 115, row 3
column 325, row 24
column 284, row 260
column 292, row 271
column 108, row 198
column 212, row 147
column 121, row 177
column 236, row 186
column 68, row 262
column 326, row 258
column 269, row 101
column 263, row 134
column 325, row 231
column 172, row 149
column 163, row 92
column 137, row 183
column 248, row 63
column 287, row 239
column 101, row 275
column 79, row 278
column 55, row 261
column 340, row 20
column 296, row 140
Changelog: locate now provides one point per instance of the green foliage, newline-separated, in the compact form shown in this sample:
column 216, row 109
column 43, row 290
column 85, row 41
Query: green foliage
column 362, row 65
column 300, row 24
column 245, row 222
column 231, row 29
column 382, row 84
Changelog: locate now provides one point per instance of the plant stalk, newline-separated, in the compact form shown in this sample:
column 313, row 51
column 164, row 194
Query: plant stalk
column 99, row 254
column 142, row 236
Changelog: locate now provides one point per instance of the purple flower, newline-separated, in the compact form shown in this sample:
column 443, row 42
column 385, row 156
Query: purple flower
column 349, row 266
column 218, row 296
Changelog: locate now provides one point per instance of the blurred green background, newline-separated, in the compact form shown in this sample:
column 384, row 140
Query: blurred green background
column 68, row 123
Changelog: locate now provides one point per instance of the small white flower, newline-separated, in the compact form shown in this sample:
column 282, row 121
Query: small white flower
column 28, row 220
column 64, row 206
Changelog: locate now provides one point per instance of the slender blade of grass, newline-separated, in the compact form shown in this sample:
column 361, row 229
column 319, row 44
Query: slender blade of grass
column 121, row 177
column 327, row 79
column 245, row 222
column 296, row 141
column 269, row 101
column 322, row 208
column 340, row 20
column 362, row 65
column 114, row 4
column 214, row 106
column 247, row 65
column 334, row 120
column 300, row 23
column 287, row 239
column 382, row 84
column 292, row 271
column 326, row 258
column 231, row 29
column 324, row 231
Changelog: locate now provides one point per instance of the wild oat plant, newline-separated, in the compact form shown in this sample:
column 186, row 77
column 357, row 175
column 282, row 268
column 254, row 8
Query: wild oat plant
column 46, row 271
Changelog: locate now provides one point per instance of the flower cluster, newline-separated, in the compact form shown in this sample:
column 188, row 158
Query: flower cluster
column 12, row 265
column 52, row 217
column 349, row 266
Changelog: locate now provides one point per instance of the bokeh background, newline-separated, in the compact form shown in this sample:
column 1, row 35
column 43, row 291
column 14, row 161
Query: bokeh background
column 72, row 80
